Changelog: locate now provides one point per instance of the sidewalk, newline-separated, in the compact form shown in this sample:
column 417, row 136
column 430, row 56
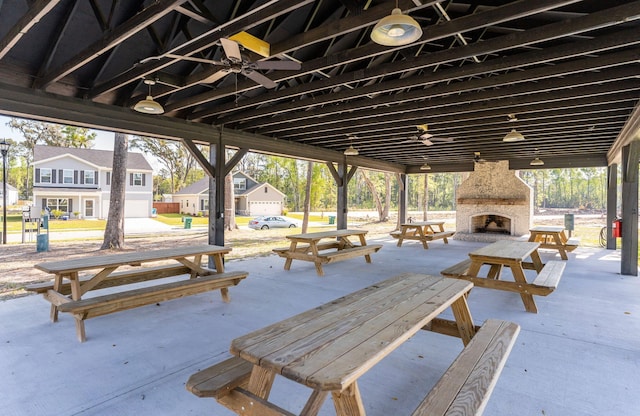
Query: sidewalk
column 132, row 226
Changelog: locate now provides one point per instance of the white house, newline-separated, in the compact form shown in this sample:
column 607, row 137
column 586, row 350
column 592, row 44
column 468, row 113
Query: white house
column 79, row 180
column 251, row 197
column 12, row 194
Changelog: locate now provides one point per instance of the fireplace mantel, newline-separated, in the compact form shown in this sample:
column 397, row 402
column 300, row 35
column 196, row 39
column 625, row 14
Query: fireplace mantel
column 493, row 201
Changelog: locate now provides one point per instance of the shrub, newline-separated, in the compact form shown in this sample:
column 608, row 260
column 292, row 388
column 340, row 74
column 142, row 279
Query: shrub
column 56, row 213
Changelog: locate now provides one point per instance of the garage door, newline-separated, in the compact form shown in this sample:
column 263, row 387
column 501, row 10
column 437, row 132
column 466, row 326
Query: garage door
column 137, row 209
column 265, row 208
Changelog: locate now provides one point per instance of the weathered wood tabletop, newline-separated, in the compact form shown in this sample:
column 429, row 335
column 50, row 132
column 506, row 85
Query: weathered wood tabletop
column 328, row 348
column 423, row 231
column 552, row 237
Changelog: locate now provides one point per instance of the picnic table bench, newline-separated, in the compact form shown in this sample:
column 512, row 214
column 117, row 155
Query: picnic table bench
column 553, row 238
column 328, row 348
column 65, row 292
column 422, row 231
column 512, row 254
column 310, row 247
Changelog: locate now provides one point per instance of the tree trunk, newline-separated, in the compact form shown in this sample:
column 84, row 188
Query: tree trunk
column 375, row 195
column 307, row 198
column 387, row 197
column 229, row 204
column 425, row 202
column 114, row 232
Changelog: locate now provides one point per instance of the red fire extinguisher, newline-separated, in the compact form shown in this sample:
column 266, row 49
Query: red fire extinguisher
column 617, row 228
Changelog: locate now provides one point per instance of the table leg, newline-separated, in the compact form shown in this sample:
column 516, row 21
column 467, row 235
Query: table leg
column 313, row 405
column 537, row 261
column 401, row 236
column 57, row 285
column 464, row 321
column 218, row 261
column 423, row 238
column 313, row 245
column 560, row 244
column 261, row 381
column 348, row 402
column 76, row 295
column 527, row 298
column 292, row 249
column 495, row 271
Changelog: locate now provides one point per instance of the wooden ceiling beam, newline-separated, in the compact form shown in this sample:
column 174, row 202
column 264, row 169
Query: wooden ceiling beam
column 36, row 12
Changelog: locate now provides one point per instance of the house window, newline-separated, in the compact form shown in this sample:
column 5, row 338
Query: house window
column 239, row 184
column 204, row 205
column 61, row 204
column 67, row 176
column 89, row 177
column 45, row 175
column 137, row 179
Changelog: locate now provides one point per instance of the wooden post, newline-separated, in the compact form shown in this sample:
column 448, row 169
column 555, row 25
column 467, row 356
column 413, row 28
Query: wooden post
column 402, row 197
column 612, row 203
column 629, row 228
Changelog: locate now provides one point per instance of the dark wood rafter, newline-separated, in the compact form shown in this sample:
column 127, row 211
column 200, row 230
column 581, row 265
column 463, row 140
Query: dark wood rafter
column 37, row 11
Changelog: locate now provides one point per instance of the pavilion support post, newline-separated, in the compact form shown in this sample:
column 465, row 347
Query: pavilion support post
column 216, row 194
column 342, row 176
column 612, row 204
column 630, row 158
column 402, row 197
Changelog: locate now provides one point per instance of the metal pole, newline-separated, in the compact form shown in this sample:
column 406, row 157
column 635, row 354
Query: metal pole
column 4, row 196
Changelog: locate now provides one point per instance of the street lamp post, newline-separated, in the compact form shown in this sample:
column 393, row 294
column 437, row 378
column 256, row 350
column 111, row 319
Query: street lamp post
column 4, row 149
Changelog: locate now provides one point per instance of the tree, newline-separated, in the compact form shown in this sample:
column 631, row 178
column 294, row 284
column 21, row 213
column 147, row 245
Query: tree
column 175, row 158
column 307, row 197
column 33, row 132
column 114, row 232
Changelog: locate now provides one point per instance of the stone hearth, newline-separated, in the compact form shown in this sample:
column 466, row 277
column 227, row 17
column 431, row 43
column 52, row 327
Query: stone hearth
column 493, row 203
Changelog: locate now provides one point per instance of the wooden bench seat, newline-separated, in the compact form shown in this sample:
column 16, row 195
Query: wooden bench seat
column 457, row 269
column 438, row 235
column 466, row 386
column 572, row 244
column 305, row 248
column 550, row 274
column 114, row 302
column 118, row 278
column 219, row 379
column 348, row 253
column 397, row 233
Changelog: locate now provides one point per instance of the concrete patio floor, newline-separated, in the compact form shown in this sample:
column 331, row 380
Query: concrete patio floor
column 580, row 355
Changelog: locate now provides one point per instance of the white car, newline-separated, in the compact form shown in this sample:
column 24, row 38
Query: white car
column 266, row 222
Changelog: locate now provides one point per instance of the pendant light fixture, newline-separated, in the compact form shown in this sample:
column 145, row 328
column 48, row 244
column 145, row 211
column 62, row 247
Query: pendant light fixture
column 537, row 161
column 148, row 105
column 425, row 165
column 351, row 151
column 513, row 136
column 396, row 29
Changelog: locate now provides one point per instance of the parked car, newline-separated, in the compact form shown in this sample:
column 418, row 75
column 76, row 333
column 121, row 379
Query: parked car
column 264, row 223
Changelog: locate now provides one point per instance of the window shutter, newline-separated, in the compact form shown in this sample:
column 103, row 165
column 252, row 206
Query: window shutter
column 75, row 177
column 82, row 177
column 70, row 206
column 53, row 176
column 95, row 176
column 60, row 176
column 131, row 179
column 108, row 178
column 44, row 203
column 37, row 175
column 144, row 176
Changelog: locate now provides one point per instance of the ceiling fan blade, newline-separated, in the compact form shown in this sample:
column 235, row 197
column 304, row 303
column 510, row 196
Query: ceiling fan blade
column 215, row 76
column 427, row 142
column 426, row 136
column 278, row 65
column 259, row 78
column 231, row 49
column 443, row 139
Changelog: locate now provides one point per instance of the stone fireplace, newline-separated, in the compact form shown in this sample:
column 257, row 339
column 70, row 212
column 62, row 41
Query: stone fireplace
column 493, row 203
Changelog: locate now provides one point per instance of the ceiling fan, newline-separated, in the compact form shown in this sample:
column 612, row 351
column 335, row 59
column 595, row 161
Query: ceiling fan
column 426, row 138
column 235, row 62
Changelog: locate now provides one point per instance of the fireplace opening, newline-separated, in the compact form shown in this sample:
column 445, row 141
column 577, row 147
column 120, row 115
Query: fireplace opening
column 491, row 223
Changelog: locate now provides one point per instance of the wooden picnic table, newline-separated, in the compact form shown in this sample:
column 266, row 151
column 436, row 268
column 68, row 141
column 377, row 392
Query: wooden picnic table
column 518, row 256
column 101, row 272
column 315, row 248
column 422, row 231
column 554, row 238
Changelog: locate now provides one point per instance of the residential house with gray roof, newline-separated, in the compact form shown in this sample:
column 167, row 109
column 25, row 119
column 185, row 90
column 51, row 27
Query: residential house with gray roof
column 78, row 181
column 252, row 198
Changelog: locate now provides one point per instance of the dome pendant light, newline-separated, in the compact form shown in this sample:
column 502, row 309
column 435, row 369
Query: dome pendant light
column 537, row 162
column 351, row 151
column 396, row 29
column 148, row 105
column 513, row 136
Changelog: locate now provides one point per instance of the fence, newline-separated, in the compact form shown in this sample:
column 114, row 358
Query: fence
column 167, row 207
